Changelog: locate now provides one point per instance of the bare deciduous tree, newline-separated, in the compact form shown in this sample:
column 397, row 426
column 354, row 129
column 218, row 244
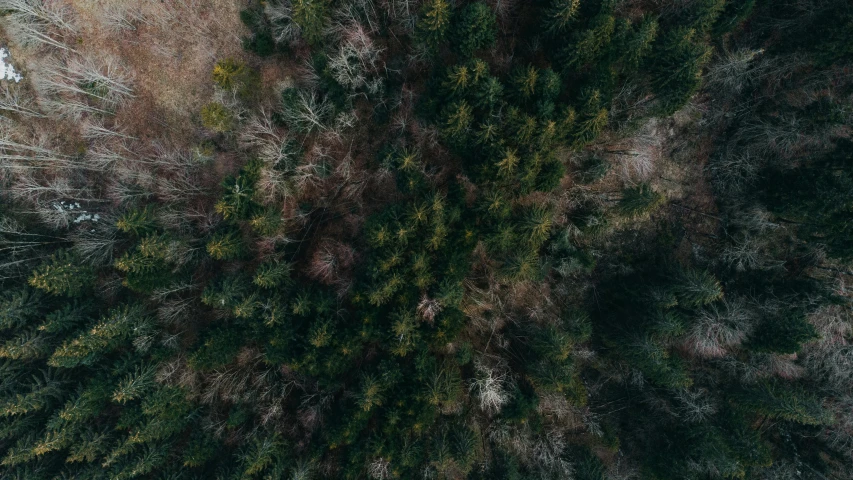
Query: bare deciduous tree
column 695, row 405
column 356, row 63
column 284, row 29
column 403, row 12
column 733, row 70
column 307, row 112
column 36, row 22
column 379, row 469
column 490, row 387
column 719, row 328
column 272, row 145
column 12, row 99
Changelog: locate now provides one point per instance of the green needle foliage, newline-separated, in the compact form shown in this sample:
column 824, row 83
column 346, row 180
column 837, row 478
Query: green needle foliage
column 407, row 239
column 62, row 274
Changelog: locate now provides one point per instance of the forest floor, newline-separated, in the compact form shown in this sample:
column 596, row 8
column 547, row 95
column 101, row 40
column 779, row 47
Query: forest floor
column 170, row 52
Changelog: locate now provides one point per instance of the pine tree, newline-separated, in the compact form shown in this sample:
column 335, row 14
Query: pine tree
column 525, row 81
column 228, row 73
column 89, row 446
column 137, row 222
column 118, row 328
column 459, row 118
column 702, row 14
column 488, row 95
column 549, row 85
column 18, row 307
column 165, row 413
column 370, row 394
column 261, row 454
column 591, row 44
column 272, row 274
column 560, row 15
column 733, row 14
column 459, row 78
column 507, row 166
column 639, row 201
column 149, row 256
column 225, row 246
column 784, row 334
column 218, row 347
column 89, row 401
column 42, row 392
column 201, row 449
column 679, row 57
column 695, row 288
column 538, row 223
column 63, row 275
column 226, row 292
column 217, row 117
column 237, row 202
column 135, row 384
column 145, row 461
column 779, row 400
column 434, row 23
column 475, row 29
column 28, row 345
column 591, row 122
column 149, row 265
column 656, row 362
column 312, row 18
column 638, row 43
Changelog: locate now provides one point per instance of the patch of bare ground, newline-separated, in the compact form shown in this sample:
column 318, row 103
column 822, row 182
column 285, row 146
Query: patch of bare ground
column 170, row 49
column 685, row 178
column 665, row 154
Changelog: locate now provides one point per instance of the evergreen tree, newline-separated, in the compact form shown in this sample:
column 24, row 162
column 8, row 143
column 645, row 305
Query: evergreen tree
column 815, row 199
column 272, row 274
column 785, row 402
column 679, row 57
column 119, row 328
column 638, row 43
column 18, row 307
column 225, row 246
column 475, row 29
column 137, row 222
column 216, row 117
column 228, row 73
column 695, row 288
column 261, row 454
column 29, row 345
column 312, row 17
column 560, row 15
column 434, row 23
column 63, row 275
column 639, row 201
column 590, row 44
column 591, row 122
column 408, row 299
column 783, row 334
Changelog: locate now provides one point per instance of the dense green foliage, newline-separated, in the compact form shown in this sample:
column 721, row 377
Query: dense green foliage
column 432, row 257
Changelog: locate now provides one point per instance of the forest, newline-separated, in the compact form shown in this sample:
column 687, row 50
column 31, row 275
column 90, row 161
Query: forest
column 426, row 239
